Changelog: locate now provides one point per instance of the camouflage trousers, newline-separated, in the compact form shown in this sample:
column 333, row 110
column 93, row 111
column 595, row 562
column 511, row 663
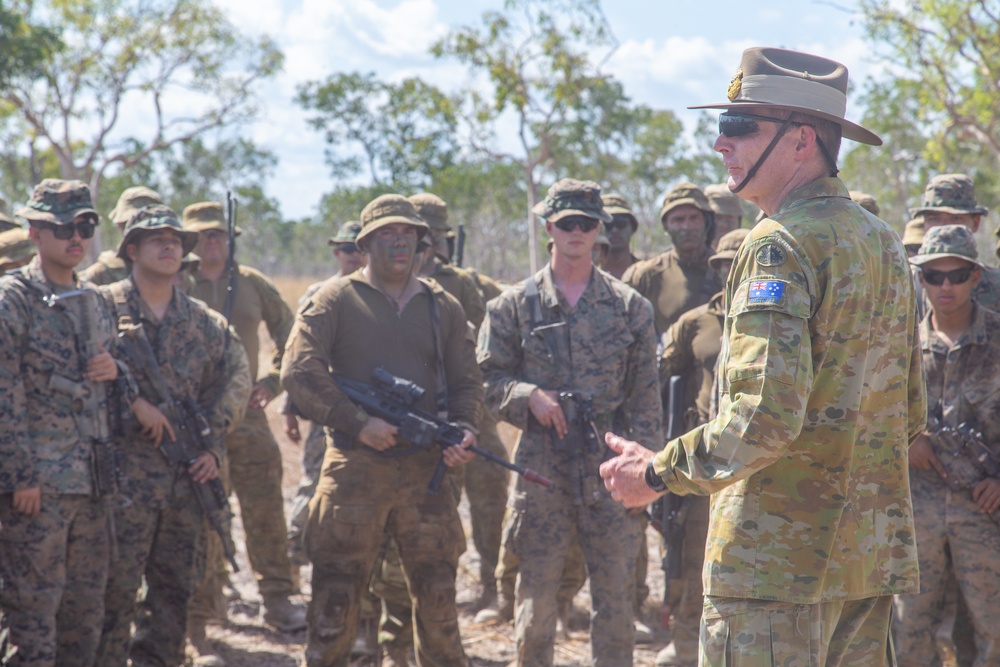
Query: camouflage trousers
column 686, row 600
column 360, row 497
column 160, row 544
column 312, row 464
column 53, row 569
column 764, row 633
column 486, row 487
column 255, row 470
column 955, row 540
column 545, row 525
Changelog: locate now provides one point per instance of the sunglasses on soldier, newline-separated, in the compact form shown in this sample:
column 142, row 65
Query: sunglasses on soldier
column 743, row 124
column 955, row 276
column 85, row 228
column 582, row 222
column 347, row 248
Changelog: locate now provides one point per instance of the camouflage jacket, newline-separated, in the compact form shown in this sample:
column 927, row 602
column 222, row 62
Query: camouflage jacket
column 820, row 395
column 604, row 348
column 40, row 443
column 257, row 300
column 189, row 347
column 672, row 286
column 691, row 347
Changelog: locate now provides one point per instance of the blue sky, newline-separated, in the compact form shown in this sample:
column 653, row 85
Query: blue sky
column 671, row 54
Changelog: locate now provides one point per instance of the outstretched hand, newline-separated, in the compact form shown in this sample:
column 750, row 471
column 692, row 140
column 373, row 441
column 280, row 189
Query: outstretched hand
column 625, row 475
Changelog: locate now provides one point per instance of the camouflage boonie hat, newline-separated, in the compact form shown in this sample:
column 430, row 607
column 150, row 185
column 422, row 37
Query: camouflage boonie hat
column 15, row 246
column 206, row 215
column 950, row 193
column 569, row 197
column 57, row 201
column 865, row 201
column 685, row 193
column 722, row 201
column 6, row 222
column 615, row 204
column 388, row 210
column 153, row 218
column 432, row 209
column 913, row 232
column 347, row 233
column 130, row 201
column 729, row 245
column 948, row 241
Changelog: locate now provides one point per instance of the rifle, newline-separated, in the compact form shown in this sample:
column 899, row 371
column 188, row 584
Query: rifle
column 964, row 455
column 392, row 398
column 232, row 204
column 192, row 431
column 91, row 412
column 460, row 246
column 669, row 513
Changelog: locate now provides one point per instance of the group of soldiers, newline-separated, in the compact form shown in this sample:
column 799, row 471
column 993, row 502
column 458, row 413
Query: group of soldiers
column 832, row 454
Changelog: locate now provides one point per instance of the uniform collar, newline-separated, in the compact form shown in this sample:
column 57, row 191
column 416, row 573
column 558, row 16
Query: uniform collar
column 829, row 186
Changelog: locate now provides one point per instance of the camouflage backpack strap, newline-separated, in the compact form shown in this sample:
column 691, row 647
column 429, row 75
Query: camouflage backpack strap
column 534, row 300
column 120, row 304
column 441, row 396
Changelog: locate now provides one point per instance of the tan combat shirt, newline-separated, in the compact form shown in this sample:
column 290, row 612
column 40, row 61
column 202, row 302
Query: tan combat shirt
column 691, row 347
column 673, row 286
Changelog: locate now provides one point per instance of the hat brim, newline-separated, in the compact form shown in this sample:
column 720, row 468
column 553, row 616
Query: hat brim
column 920, row 260
column 203, row 226
column 687, row 201
column 189, row 239
column 601, row 215
column 980, row 210
column 721, row 256
column 850, row 130
column 368, row 230
column 34, row 215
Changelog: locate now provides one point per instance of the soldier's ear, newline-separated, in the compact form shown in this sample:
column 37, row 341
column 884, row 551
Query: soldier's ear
column 975, row 222
column 132, row 251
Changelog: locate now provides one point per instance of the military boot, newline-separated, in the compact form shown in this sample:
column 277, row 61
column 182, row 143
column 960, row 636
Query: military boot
column 501, row 610
column 200, row 651
column 281, row 614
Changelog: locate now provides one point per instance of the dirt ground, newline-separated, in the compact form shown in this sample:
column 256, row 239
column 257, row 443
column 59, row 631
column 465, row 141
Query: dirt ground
column 244, row 641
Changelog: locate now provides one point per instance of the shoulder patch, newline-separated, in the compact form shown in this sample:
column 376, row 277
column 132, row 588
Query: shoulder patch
column 771, row 254
column 766, row 291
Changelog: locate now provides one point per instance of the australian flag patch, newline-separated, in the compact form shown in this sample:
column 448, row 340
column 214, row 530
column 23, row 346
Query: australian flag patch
column 766, row 291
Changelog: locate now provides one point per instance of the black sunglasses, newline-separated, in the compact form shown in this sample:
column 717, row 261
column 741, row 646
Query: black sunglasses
column 618, row 223
column 742, row 124
column 347, row 248
column 955, row 276
column 584, row 223
column 85, row 228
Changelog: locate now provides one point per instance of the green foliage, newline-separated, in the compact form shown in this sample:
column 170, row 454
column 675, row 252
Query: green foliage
column 405, row 131
column 23, row 48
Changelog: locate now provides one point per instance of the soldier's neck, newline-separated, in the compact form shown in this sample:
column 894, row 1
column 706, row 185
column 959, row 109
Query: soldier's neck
column 56, row 273
column 951, row 326
column 211, row 272
column 618, row 260
column 155, row 290
column 571, row 275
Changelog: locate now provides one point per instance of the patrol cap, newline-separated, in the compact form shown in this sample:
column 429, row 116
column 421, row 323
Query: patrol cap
column 347, row 233
column 57, row 201
column 729, row 245
column 6, row 222
column 865, row 201
column 432, row 209
column 722, row 201
column 207, row 215
column 772, row 78
column 152, row 218
column 950, row 193
column 913, row 232
column 948, row 241
column 15, row 246
column 387, row 210
column 130, row 201
column 615, row 204
column 569, row 197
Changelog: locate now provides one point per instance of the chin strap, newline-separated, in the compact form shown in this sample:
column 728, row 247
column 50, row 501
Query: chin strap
column 763, row 156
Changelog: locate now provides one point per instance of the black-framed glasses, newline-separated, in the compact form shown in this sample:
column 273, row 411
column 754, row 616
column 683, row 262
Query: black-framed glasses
column 742, row 124
column 955, row 276
column 583, row 223
column 85, row 228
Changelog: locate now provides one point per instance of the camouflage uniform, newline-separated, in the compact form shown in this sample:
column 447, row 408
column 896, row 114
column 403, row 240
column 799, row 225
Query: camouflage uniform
column 255, row 466
column 159, row 530
column 603, row 348
column 6, row 223
column 819, row 346
column 350, row 327
column 956, row 540
column 675, row 284
column 691, row 349
column 15, row 248
column 53, row 565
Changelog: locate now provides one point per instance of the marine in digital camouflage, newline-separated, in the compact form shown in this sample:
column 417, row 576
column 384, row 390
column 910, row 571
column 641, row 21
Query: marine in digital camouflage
column 819, row 349
column 955, row 538
column 602, row 348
